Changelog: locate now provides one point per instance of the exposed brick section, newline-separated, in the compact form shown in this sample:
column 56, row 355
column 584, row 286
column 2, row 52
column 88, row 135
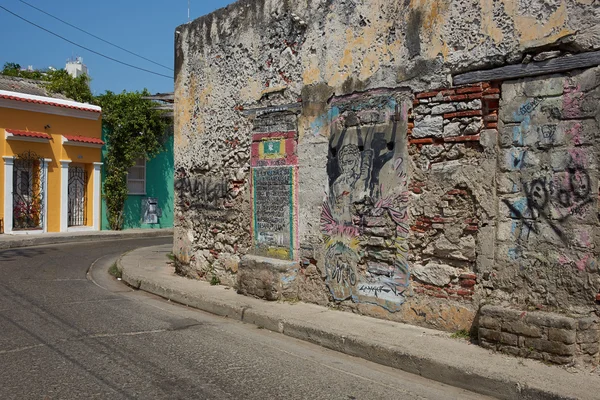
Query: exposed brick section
column 539, row 335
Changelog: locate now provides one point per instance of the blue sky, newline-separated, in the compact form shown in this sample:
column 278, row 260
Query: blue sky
column 145, row 27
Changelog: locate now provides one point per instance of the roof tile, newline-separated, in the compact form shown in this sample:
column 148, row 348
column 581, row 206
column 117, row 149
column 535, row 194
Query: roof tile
column 40, row 135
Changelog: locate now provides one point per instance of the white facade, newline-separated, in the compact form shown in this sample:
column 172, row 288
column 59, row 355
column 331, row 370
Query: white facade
column 76, row 67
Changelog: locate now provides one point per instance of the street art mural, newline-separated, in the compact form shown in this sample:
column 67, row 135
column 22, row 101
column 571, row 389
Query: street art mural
column 364, row 217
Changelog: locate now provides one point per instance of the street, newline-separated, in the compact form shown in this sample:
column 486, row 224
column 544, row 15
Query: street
column 65, row 335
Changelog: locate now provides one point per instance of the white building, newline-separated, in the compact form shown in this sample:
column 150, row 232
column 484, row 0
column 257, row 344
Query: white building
column 76, row 67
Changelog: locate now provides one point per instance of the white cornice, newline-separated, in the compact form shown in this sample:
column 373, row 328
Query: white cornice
column 49, row 109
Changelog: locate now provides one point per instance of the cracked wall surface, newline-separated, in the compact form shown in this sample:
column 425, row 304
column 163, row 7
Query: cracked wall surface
column 327, row 134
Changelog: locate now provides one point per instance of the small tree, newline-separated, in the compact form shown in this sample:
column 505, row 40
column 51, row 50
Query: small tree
column 78, row 89
column 136, row 130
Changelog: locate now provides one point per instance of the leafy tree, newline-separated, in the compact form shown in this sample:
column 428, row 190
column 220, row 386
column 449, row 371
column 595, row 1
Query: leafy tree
column 11, row 69
column 78, row 89
column 136, row 130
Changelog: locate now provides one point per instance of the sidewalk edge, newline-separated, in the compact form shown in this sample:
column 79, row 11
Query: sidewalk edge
column 24, row 241
column 391, row 356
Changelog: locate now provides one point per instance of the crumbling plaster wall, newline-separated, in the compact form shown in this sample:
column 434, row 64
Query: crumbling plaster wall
column 268, row 53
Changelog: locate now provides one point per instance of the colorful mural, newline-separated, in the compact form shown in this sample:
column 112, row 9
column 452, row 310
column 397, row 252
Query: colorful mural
column 364, row 217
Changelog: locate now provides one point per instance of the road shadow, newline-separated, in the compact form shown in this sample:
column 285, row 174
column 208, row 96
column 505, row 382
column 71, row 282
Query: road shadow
column 15, row 254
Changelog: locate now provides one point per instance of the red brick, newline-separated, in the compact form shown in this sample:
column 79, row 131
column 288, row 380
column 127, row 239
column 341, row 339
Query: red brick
column 491, row 96
column 421, row 141
column 472, row 228
column 440, row 295
column 598, row 297
column 416, row 102
column 416, row 190
column 448, row 92
column 491, row 118
column 458, row 97
column 410, row 125
column 468, row 283
column 491, row 125
column 460, row 114
column 427, row 94
column 464, row 292
column 492, row 91
column 492, row 104
column 468, row 276
column 475, row 96
column 471, row 89
column 485, row 85
column 472, row 138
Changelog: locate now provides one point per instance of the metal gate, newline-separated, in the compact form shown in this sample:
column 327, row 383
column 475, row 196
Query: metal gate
column 28, row 196
column 77, row 198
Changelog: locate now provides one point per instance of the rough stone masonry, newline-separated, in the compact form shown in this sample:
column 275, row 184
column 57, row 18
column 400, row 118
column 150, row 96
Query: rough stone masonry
column 419, row 161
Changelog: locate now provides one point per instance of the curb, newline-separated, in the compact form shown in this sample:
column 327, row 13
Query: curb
column 15, row 241
column 428, row 366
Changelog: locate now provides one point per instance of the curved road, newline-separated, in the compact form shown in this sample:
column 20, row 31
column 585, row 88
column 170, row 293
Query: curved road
column 64, row 336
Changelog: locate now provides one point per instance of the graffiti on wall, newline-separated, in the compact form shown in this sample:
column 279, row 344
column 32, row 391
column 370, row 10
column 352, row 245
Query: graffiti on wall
column 364, row 216
column 552, row 200
column 201, row 192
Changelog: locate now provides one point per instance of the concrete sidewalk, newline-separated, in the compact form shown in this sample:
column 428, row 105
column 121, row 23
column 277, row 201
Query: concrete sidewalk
column 14, row 241
column 429, row 353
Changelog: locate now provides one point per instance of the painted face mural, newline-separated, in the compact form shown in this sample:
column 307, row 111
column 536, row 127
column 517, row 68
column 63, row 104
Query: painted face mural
column 364, row 215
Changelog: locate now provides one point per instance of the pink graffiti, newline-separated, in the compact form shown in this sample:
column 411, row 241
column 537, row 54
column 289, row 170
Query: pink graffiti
column 582, row 264
column 578, row 157
column 572, row 100
column 575, row 133
column 332, row 227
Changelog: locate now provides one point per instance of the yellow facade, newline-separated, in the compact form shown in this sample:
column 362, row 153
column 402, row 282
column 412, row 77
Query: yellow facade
column 55, row 118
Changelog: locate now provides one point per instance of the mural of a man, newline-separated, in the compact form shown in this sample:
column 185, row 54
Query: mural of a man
column 353, row 181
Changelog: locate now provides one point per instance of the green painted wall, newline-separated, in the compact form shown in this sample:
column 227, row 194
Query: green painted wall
column 159, row 184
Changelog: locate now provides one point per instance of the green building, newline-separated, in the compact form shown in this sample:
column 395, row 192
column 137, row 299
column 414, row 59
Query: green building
column 151, row 189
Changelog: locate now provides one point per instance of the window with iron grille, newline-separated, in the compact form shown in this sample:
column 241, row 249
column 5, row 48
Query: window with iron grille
column 136, row 177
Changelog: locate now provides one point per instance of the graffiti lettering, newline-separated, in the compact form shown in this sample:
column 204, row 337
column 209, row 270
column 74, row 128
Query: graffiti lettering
column 201, row 192
column 528, row 107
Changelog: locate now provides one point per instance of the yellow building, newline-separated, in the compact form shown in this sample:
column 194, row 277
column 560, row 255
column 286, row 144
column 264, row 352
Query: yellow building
column 51, row 150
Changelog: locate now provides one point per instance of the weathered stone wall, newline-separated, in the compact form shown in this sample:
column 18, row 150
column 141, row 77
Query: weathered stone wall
column 539, row 335
column 328, row 134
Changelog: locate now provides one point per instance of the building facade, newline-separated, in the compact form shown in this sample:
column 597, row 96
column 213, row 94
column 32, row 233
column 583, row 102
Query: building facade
column 429, row 162
column 149, row 204
column 51, row 150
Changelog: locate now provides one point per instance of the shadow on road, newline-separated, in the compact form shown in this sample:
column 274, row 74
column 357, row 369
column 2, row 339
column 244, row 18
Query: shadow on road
column 14, row 254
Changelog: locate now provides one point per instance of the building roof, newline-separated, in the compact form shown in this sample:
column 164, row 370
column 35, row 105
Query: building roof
column 31, row 91
column 83, row 139
column 27, row 86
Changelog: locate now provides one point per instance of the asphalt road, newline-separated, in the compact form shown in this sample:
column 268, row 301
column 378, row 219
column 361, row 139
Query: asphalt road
column 66, row 334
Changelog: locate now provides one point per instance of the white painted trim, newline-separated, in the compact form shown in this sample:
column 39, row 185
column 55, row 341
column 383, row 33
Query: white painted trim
column 53, row 100
column 64, row 195
column 81, row 229
column 48, row 109
column 67, row 142
column 96, row 194
column 10, row 136
column 28, row 232
column 45, row 191
column 8, row 188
